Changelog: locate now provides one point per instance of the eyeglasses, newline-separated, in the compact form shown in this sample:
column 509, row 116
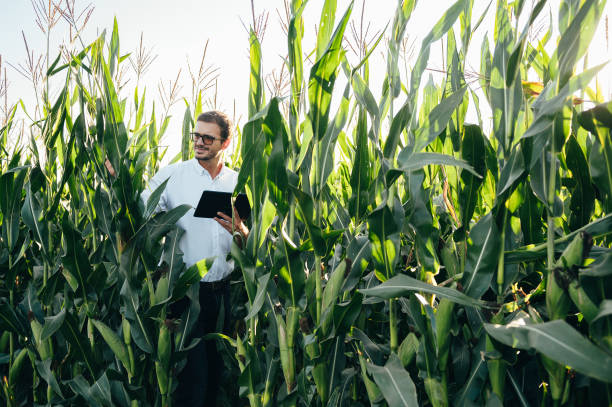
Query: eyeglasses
column 206, row 139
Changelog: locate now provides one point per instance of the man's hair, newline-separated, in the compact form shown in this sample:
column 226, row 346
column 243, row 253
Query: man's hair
column 220, row 119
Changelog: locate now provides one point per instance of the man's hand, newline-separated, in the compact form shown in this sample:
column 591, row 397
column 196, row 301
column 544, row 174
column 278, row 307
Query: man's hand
column 110, row 168
column 233, row 225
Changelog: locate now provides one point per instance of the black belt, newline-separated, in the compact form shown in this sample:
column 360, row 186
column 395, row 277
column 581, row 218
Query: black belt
column 215, row 285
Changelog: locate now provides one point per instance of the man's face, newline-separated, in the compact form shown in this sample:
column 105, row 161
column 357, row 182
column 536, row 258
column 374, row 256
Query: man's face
column 205, row 152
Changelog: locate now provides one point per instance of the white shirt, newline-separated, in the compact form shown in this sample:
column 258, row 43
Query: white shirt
column 203, row 237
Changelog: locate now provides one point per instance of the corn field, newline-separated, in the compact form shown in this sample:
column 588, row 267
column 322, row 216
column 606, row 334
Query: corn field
column 398, row 255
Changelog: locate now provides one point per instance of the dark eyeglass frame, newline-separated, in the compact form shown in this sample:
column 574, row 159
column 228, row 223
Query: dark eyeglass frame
column 206, row 138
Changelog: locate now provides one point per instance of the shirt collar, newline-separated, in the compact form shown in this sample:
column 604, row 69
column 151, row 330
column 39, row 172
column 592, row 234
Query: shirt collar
column 203, row 171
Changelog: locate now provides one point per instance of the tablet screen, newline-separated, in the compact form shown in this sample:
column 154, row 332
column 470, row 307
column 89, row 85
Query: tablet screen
column 212, row 202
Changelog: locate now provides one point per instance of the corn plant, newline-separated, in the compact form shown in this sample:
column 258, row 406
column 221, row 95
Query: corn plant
column 398, row 254
column 462, row 230
column 85, row 297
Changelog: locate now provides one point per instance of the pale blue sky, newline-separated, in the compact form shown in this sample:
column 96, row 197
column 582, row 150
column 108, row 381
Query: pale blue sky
column 177, row 30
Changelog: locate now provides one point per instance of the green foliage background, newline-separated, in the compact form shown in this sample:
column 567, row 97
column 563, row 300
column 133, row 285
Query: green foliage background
column 398, row 255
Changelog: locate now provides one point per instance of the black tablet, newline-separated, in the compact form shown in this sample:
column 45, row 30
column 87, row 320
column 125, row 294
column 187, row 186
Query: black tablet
column 212, row 202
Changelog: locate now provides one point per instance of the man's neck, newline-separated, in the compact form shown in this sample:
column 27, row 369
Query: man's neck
column 213, row 166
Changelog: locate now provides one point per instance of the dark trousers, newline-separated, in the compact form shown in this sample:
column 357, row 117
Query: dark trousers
column 198, row 382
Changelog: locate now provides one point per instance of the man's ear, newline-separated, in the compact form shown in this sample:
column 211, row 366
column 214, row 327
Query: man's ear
column 226, row 143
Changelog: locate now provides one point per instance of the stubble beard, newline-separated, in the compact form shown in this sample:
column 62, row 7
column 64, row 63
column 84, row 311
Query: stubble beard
column 205, row 157
column 208, row 156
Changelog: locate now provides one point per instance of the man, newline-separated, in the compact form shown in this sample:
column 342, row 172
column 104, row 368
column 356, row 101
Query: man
column 204, row 237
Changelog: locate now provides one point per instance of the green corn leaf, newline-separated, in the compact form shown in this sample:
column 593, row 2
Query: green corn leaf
column 255, row 79
column 402, row 15
column 473, row 153
column 139, row 106
column 114, row 48
column 115, row 343
column 9, row 206
column 598, row 116
column 258, row 301
column 76, row 261
column 306, row 210
column 364, row 97
column 43, row 367
column 372, row 351
column 517, row 53
column 600, row 167
column 254, row 169
column 191, row 276
column 530, row 212
column 104, row 217
column 369, row 52
column 442, row 26
column 336, row 362
column 260, row 226
column 275, row 127
column 294, row 39
column 345, row 313
column 322, row 79
column 602, row 267
column 403, row 285
column 326, row 147
column 437, row 120
column 153, row 199
column 408, row 349
column 361, row 173
column 188, row 318
column 188, row 124
column 598, row 121
column 398, row 124
column 81, row 387
column 505, row 100
column 558, row 341
column 605, row 309
column 140, row 327
column 160, row 224
column 101, row 391
column 332, row 288
column 52, row 325
column 326, row 26
column 548, row 104
column 12, row 322
column 485, row 66
column 77, row 339
column 358, row 255
column 582, row 201
column 481, row 259
column 31, row 213
column 409, row 162
column 384, row 237
column 53, row 65
column 395, row 382
column 477, row 378
column 512, row 171
column 372, row 390
column 598, row 228
column 575, row 40
column 54, row 125
column 291, row 278
column 115, row 133
column 173, row 256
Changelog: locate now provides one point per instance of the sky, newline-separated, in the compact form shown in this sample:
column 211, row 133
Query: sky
column 177, row 33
